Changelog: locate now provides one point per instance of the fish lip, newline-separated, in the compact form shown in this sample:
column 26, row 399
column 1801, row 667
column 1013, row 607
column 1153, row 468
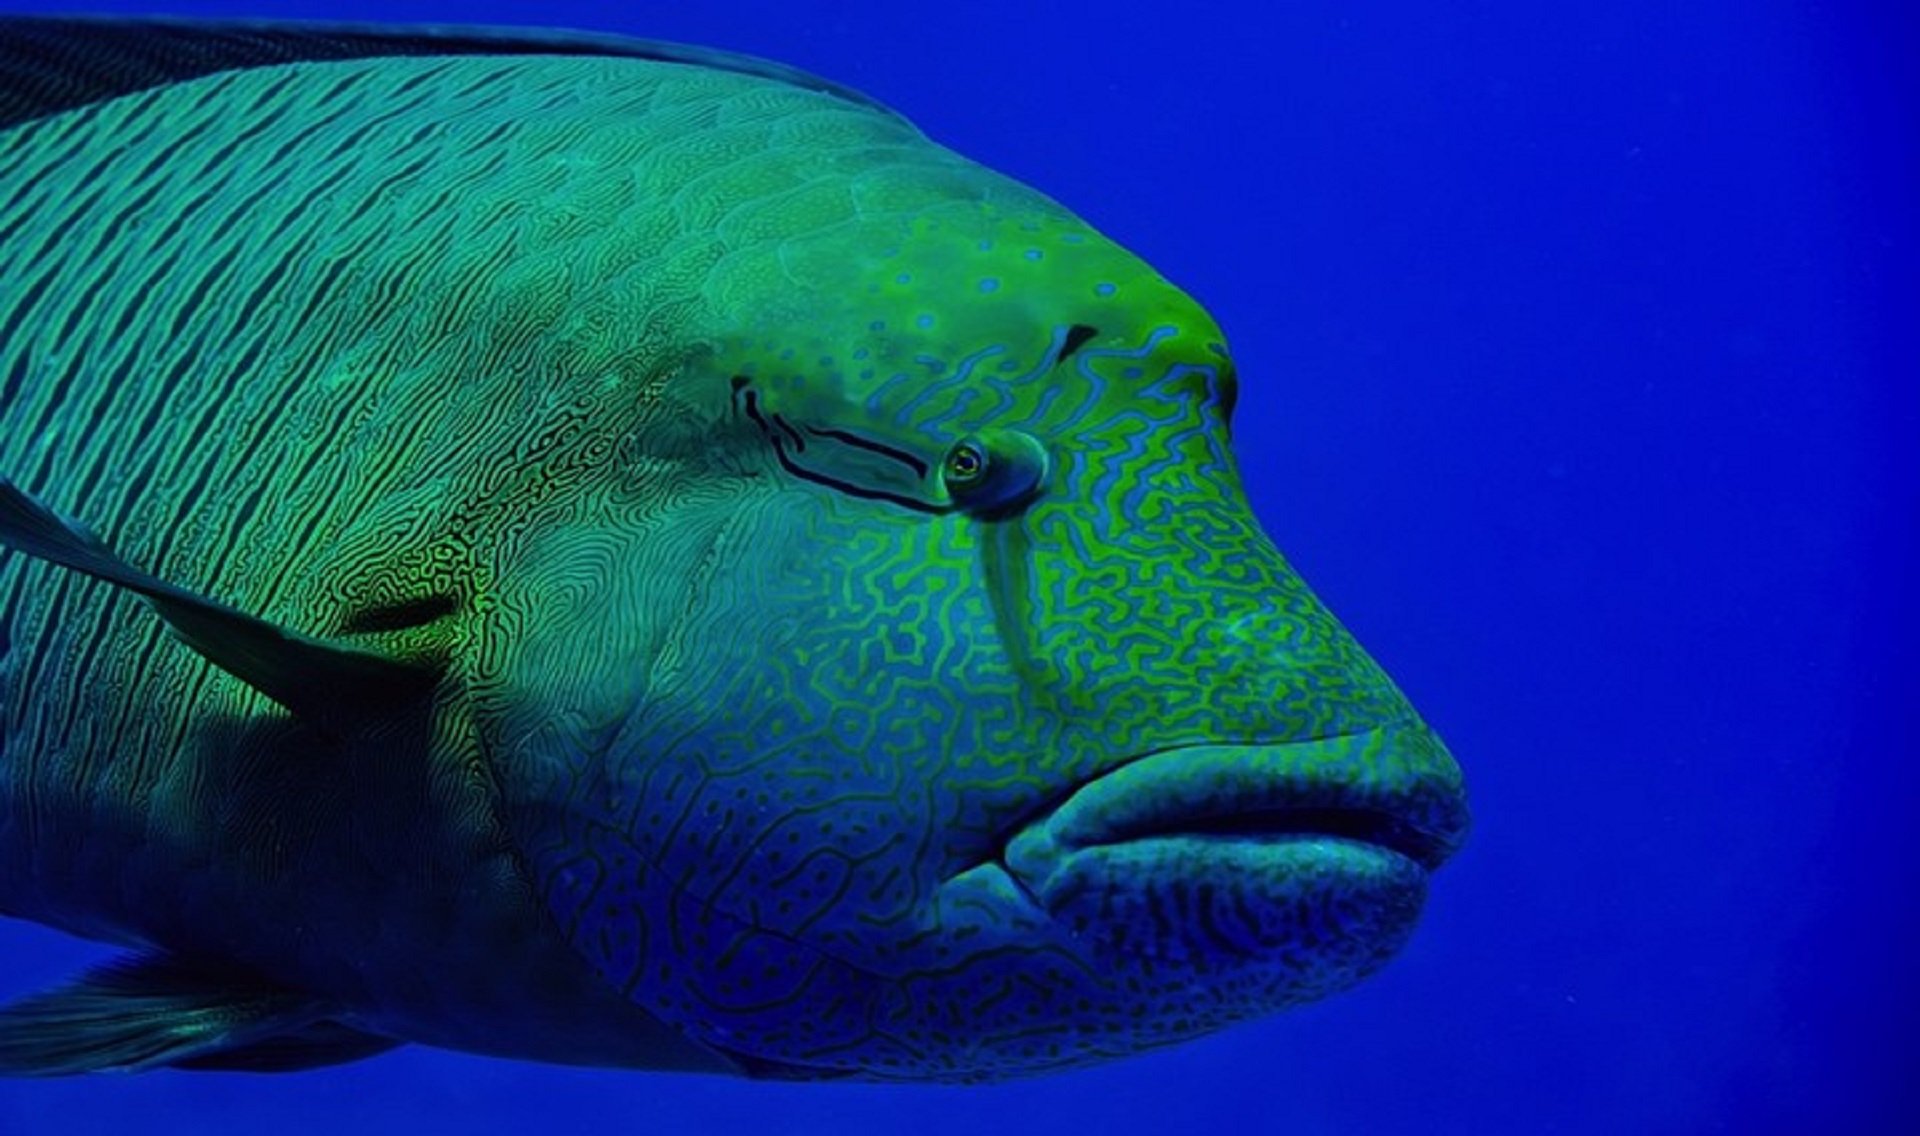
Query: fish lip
column 1391, row 787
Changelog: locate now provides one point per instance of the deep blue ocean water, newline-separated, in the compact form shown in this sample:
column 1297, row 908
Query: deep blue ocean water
column 1579, row 380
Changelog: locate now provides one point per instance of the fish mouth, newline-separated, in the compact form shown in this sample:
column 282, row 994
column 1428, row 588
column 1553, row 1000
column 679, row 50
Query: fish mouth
column 1358, row 825
column 1386, row 801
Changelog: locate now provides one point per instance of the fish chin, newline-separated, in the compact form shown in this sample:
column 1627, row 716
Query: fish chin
column 1312, row 915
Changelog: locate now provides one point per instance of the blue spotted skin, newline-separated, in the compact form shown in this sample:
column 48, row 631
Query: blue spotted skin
column 857, row 656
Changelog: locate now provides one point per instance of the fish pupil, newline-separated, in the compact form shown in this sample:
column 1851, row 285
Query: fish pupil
column 966, row 463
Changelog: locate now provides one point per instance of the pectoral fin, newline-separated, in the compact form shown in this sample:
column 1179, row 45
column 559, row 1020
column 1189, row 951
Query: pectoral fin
column 329, row 684
column 315, row 1047
column 156, row 1011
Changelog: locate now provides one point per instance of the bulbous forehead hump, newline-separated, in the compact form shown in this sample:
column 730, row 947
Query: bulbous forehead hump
column 967, row 289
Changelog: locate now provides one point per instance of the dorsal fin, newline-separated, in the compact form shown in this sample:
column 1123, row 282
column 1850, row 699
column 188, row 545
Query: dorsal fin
column 50, row 64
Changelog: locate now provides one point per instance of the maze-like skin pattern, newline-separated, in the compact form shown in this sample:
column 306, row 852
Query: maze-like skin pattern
column 639, row 379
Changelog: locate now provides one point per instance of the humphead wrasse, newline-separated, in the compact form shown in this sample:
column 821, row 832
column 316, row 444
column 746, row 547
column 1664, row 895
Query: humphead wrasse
column 604, row 552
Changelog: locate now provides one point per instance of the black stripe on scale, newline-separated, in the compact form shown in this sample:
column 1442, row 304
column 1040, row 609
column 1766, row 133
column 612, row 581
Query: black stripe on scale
column 48, row 395
column 135, row 190
column 262, row 475
column 244, row 315
column 57, row 149
column 347, row 149
column 16, row 379
column 13, row 316
column 130, row 313
column 311, row 127
column 28, row 779
column 291, row 551
column 500, row 130
column 116, row 374
column 469, row 289
column 313, row 191
column 157, row 391
column 18, row 206
column 372, row 200
column 190, row 307
column 187, row 500
column 263, row 100
column 749, row 404
column 182, row 214
column 259, row 115
column 75, row 210
column 412, row 82
column 104, row 264
column 158, row 396
column 321, row 310
column 375, row 197
column 23, row 204
column 324, row 288
column 137, row 194
column 480, row 83
column 61, row 342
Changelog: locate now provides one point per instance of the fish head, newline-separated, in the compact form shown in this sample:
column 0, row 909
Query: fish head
column 928, row 701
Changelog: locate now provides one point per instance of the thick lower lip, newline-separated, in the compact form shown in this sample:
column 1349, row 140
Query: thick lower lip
column 1393, row 789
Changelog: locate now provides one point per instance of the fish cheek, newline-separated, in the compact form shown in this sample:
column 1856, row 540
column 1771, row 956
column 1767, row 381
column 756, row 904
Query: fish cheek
column 611, row 658
column 746, row 833
column 597, row 630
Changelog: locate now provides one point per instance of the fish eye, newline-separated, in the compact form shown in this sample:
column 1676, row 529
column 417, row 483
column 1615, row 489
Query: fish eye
column 966, row 464
column 994, row 473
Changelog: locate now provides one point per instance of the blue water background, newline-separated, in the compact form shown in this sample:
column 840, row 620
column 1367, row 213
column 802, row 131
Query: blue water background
column 1575, row 381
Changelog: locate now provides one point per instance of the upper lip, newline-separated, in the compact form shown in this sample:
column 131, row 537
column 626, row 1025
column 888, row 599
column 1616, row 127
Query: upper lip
column 1393, row 786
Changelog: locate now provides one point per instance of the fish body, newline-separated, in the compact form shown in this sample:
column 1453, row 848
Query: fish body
column 598, row 552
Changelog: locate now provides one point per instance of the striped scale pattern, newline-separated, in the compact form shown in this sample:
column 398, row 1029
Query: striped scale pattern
column 639, row 380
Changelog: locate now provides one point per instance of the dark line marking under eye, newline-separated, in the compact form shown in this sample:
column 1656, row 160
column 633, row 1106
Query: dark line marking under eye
column 852, row 490
column 799, row 443
column 920, row 468
column 1077, row 337
column 750, row 405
